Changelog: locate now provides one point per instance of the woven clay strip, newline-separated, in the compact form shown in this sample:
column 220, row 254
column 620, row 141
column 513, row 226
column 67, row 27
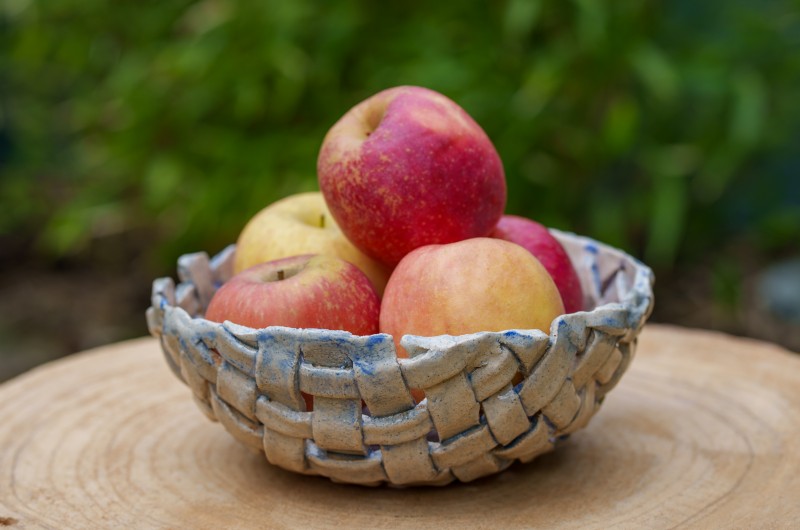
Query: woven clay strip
column 365, row 427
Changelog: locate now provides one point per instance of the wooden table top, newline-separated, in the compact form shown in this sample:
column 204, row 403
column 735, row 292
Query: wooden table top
column 701, row 432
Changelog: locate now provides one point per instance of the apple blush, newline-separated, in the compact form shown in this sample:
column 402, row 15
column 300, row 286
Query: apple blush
column 407, row 168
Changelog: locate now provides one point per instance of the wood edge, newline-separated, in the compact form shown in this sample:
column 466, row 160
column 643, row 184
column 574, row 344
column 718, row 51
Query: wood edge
column 78, row 357
column 662, row 327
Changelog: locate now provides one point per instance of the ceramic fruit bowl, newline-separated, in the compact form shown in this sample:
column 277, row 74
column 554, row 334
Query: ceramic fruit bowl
column 491, row 398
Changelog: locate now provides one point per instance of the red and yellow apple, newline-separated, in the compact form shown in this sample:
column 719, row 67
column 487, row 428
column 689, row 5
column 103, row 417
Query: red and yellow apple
column 299, row 292
column 407, row 168
column 479, row 284
column 296, row 225
column 308, row 291
column 541, row 243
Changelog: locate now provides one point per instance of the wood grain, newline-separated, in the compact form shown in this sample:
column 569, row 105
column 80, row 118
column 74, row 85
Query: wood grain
column 702, row 432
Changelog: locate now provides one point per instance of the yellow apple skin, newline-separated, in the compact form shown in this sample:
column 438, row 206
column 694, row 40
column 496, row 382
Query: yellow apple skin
column 479, row 284
column 301, row 224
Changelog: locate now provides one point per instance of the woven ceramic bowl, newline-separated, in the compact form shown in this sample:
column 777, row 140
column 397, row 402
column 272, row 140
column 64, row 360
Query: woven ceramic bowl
column 365, row 427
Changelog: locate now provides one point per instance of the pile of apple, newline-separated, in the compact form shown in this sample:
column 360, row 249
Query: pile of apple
column 407, row 235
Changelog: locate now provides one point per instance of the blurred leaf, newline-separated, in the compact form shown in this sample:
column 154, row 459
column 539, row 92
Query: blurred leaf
column 540, row 168
column 667, row 220
column 539, row 86
column 672, row 160
column 622, row 120
column 520, row 18
column 610, row 225
column 205, row 16
column 749, row 109
column 727, row 281
column 591, row 21
column 656, row 73
column 161, row 180
column 12, row 8
column 68, row 232
column 779, row 229
column 716, row 174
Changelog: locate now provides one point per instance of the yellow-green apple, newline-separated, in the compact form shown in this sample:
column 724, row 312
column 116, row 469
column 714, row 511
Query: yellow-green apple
column 479, row 284
column 309, row 291
column 407, row 168
column 296, row 225
column 541, row 243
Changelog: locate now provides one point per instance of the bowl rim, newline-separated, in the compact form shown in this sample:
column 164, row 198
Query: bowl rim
column 637, row 290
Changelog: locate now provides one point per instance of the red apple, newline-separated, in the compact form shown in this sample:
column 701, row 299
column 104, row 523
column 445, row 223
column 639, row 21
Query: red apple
column 299, row 292
column 479, row 284
column 541, row 243
column 407, row 168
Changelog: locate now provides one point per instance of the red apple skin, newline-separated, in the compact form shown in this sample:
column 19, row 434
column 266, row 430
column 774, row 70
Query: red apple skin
column 318, row 291
column 479, row 284
column 535, row 238
column 407, row 168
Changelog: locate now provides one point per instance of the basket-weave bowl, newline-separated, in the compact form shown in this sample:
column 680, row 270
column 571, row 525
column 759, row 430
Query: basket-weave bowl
column 365, row 427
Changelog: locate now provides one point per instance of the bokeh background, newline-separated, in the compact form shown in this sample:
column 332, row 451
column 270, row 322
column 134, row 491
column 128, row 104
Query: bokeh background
column 134, row 131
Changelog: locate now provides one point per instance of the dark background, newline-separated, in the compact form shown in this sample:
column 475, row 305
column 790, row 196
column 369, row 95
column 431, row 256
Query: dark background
column 134, row 131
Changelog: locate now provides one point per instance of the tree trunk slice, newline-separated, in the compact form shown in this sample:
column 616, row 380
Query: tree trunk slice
column 702, row 432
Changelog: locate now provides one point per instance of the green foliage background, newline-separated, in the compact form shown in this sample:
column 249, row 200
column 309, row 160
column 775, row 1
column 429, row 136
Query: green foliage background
column 667, row 128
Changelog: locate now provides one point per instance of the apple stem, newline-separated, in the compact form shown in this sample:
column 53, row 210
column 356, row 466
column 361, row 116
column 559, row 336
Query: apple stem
column 280, row 274
column 322, row 220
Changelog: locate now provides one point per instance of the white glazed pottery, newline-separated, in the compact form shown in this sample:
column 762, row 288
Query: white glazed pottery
column 365, row 427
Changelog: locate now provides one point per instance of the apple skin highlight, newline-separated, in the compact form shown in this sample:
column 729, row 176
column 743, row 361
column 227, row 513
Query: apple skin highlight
column 407, row 168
